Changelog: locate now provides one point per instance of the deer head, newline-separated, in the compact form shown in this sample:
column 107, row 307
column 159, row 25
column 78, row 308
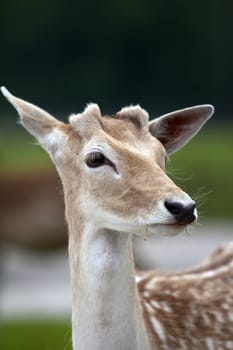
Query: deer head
column 113, row 168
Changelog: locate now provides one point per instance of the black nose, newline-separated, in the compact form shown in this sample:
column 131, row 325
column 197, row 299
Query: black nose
column 184, row 214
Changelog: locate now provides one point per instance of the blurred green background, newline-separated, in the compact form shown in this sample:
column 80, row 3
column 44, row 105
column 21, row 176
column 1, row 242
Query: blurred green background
column 162, row 54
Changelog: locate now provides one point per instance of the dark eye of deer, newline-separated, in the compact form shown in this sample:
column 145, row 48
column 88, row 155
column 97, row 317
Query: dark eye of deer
column 95, row 159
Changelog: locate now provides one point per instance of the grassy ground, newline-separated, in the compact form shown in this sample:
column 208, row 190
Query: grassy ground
column 35, row 335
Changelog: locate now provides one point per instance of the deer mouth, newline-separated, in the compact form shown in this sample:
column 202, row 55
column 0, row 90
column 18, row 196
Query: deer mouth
column 167, row 229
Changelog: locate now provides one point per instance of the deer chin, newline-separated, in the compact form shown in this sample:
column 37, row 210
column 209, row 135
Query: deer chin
column 166, row 229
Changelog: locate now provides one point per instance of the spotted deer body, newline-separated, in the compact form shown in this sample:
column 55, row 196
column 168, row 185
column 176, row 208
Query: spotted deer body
column 192, row 309
column 113, row 175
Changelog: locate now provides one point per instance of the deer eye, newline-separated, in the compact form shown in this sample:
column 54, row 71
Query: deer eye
column 96, row 159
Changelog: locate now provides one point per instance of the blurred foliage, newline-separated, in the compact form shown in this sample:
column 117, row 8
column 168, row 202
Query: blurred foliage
column 203, row 168
column 36, row 335
column 19, row 151
column 161, row 54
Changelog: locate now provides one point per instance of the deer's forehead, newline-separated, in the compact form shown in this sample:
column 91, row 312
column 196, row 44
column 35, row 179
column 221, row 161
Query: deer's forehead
column 126, row 141
column 120, row 136
column 122, row 129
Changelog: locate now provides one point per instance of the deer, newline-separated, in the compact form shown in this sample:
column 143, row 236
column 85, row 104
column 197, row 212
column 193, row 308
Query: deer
column 112, row 169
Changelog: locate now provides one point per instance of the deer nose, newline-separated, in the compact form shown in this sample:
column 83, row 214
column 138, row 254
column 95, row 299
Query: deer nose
column 183, row 213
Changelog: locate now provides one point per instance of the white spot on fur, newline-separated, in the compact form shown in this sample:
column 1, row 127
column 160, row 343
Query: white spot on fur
column 146, row 294
column 225, row 306
column 158, row 328
column 195, row 293
column 149, row 307
column 182, row 344
column 155, row 304
column 220, row 318
column 152, row 282
column 166, row 307
column 138, row 278
column 206, row 319
column 194, row 310
column 229, row 344
column 210, row 344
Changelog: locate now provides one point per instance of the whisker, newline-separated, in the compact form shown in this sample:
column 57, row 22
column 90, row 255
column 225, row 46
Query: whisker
column 178, row 175
column 201, row 197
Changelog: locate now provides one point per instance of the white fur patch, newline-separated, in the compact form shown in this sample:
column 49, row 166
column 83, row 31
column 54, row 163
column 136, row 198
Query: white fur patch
column 53, row 142
column 210, row 344
column 158, row 328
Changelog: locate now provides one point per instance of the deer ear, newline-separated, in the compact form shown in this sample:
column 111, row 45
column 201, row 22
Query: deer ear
column 38, row 123
column 175, row 129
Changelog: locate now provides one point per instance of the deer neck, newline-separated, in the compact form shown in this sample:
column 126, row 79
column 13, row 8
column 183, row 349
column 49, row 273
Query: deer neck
column 105, row 308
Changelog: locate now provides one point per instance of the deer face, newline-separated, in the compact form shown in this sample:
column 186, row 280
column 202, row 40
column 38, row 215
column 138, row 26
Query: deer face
column 113, row 168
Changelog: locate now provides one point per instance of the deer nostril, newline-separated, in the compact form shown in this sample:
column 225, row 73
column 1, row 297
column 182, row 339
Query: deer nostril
column 184, row 214
column 175, row 208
